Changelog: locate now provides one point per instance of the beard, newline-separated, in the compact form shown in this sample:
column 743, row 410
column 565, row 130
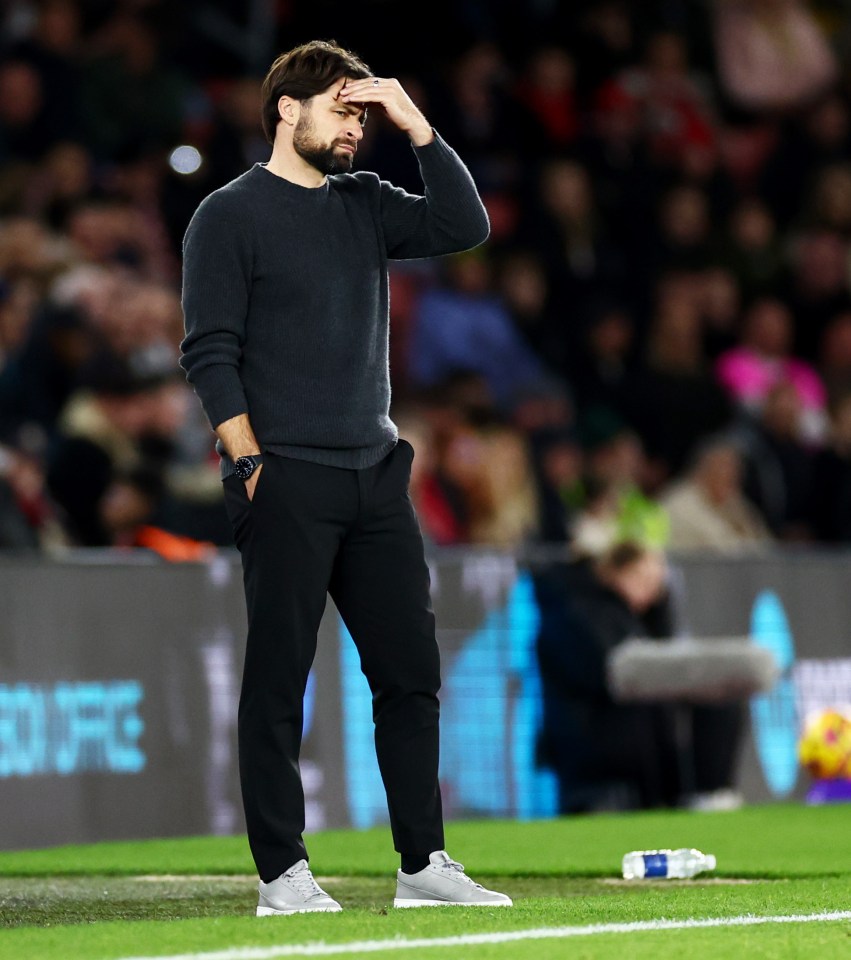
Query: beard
column 319, row 155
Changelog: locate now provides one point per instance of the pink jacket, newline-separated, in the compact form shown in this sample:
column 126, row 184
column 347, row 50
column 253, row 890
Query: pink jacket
column 749, row 376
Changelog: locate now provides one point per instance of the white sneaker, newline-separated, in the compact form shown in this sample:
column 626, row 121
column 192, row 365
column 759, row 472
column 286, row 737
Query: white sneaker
column 444, row 883
column 295, row 891
column 723, row 800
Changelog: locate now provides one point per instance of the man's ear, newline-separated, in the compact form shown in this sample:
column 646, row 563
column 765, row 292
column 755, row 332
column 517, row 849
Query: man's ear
column 288, row 110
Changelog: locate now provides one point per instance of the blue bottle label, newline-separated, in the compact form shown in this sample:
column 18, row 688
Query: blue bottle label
column 656, row 865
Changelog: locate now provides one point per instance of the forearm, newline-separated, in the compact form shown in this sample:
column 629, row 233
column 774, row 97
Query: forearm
column 450, row 217
column 420, row 131
column 237, row 437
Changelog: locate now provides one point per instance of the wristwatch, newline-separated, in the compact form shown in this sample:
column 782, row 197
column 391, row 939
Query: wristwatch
column 245, row 466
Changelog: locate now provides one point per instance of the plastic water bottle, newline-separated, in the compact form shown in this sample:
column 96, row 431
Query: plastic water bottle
column 666, row 864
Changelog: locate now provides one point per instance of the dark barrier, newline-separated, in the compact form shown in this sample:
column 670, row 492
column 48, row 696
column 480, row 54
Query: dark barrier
column 119, row 677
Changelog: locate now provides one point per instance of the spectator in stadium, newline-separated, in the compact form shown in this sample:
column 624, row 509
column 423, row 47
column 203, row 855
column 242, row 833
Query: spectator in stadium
column 615, row 503
column 773, row 56
column 831, row 491
column 524, row 286
column 132, row 94
column 719, row 304
column 24, row 136
column 236, row 139
column 482, row 464
column 595, row 521
column 111, row 231
column 491, row 467
column 29, row 252
column 557, row 461
column 763, row 358
column 16, row 305
column 779, row 463
column 545, row 415
column 563, row 223
column 474, row 105
column 30, row 259
column 626, row 180
column 601, row 367
column 464, row 324
column 436, row 506
column 29, row 518
column 707, row 508
column 64, row 180
column 676, row 109
column 605, row 755
column 608, row 754
column 835, row 357
column 132, row 516
column 672, row 399
column 452, row 410
column 605, row 45
column 815, row 286
column 805, row 143
column 828, row 204
column 115, row 421
column 546, row 88
column 54, row 50
column 753, row 249
column 136, row 182
column 684, row 239
column 39, row 376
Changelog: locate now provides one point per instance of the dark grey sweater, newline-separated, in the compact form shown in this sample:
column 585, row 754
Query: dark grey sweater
column 286, row 305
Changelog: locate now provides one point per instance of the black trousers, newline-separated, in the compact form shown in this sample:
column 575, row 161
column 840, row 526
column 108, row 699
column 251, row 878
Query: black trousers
column 594, row 746
column 311, row 530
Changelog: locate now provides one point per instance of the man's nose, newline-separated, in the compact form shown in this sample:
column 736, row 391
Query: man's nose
column 355, row 130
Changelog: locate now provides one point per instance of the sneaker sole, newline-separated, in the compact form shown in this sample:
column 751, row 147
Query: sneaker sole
column 403, row 904
column 272, row 912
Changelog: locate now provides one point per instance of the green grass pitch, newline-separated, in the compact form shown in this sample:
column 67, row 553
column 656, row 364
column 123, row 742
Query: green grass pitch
column 195, row 897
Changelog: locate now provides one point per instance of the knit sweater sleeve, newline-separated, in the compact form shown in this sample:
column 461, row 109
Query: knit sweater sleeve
column 217, row 263
column 448, row 218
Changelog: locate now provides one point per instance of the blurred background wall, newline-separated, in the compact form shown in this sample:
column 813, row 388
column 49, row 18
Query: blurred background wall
column 120, row 683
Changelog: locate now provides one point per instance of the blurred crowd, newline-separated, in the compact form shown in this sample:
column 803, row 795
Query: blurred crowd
column 654, row 344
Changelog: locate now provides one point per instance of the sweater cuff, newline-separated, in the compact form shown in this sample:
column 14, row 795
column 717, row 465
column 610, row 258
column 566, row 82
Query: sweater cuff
column 438, row 144
column 221, row 394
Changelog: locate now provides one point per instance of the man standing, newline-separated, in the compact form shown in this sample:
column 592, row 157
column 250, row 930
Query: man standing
column 285, row 298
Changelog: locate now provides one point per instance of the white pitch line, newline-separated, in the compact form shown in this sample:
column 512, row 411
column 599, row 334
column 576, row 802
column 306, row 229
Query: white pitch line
column 472, row 939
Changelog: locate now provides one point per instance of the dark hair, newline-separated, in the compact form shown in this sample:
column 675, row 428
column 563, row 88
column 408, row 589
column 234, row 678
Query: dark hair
column 623, row 554
column 303, row 72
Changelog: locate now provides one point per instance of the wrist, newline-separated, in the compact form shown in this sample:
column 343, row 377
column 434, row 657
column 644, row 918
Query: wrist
column 421, row 135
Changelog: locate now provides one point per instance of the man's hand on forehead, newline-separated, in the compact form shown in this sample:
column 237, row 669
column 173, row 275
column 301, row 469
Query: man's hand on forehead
column 388, row 93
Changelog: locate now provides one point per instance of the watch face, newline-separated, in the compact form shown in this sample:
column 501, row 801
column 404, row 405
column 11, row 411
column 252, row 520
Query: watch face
column 244, row 467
